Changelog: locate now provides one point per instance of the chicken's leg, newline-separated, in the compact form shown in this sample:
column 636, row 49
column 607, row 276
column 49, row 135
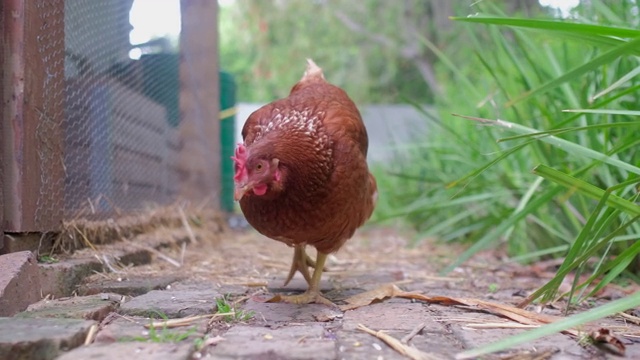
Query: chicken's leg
column 312, row 295
column 301, row 262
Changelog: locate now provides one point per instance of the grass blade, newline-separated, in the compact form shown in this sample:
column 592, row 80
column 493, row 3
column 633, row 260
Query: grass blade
column 565, row 145
column 595, row 63
column 553, row 25
column 587, row 189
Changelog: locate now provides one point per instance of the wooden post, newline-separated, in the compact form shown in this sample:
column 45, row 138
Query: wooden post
column 2, row 104
column 199, row 101
column 32, row 96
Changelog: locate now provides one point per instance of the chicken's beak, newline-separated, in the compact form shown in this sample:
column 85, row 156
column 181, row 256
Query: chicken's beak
column 240, row 190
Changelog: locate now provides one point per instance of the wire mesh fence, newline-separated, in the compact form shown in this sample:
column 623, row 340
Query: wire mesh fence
column 102, row 133
column 120, row 129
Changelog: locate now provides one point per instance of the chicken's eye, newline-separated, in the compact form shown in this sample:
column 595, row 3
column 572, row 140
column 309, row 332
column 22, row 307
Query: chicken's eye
column 259, row 167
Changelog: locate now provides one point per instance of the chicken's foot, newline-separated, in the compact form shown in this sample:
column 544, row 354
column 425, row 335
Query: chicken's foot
column 301, row 262
column 312, row 295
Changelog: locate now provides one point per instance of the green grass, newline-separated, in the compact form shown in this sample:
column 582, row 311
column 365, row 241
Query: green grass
column 163, row 334
column 225, row 306
column 47, row 259
column 544, row 158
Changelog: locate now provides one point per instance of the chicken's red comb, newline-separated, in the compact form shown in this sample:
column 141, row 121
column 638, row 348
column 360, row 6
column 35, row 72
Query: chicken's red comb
column 240, row 159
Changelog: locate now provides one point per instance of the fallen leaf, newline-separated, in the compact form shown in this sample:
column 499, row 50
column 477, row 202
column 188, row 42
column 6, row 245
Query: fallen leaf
column 406, row 350
column 326, row 317
column 391, row 290
column 274, row 299
column 369, row 297
column 537, row 354
column 604, row 337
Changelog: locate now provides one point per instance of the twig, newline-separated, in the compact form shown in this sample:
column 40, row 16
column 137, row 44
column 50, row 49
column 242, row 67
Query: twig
column 631, row 318
column 395, row 344
column 173, row 323
column 108, row 264
column 86, row 240
column 413, row 333
column 185, row 223
column 158, row 253
column 91, row 334
column 182, row 252
column 501, row 325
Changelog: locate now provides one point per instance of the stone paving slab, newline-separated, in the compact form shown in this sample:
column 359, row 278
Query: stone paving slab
column 131, row 350
column 61, row 279
column 93, row 307
column 131, row 286
column 130, row 329
column 274, row 314
column 174, row 303
column 288, row 342
column 40, row 339
column 19, row 282
column 356, row 345
column 289, row 331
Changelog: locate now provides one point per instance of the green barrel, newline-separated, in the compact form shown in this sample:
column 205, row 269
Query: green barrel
column 227, row 138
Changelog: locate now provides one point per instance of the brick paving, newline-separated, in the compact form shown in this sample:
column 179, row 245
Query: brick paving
column 111, row 320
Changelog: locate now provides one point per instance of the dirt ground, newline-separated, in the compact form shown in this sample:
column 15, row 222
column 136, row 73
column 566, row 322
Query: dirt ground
column 251, row 269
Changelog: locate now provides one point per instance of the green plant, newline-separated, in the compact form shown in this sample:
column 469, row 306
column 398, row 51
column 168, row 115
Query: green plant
column 225, row 306
column 493, row 288
column 163, row 335
column 559, row 176
column 47, row 259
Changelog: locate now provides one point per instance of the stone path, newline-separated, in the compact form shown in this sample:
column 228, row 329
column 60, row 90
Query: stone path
column 111, row 316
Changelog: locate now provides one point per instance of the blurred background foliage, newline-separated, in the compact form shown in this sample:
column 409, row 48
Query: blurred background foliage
column 372, row 48
column 533, row 184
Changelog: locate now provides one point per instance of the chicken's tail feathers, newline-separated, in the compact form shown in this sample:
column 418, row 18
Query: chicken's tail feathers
column 313, row 71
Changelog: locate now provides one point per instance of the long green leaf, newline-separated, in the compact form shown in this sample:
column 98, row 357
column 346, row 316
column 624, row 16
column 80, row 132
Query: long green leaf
column 492, row 235
column 554, row 25
column 565, row 130
column 565, row 145
column 585, row 188
column 595, row 63
column 606, row 112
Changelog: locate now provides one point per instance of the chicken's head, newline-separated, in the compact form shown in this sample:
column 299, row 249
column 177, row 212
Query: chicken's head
column 253, row 174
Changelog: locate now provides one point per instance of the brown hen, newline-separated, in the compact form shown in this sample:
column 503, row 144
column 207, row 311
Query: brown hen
column 301, row 175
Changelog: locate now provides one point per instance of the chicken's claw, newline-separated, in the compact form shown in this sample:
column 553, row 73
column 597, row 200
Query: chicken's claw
column 312, row 295
column 307, row 297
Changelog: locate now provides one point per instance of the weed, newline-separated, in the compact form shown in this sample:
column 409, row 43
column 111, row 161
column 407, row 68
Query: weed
column 47, row 259
column 161, row 335
column 224, row 306
column 493, row 288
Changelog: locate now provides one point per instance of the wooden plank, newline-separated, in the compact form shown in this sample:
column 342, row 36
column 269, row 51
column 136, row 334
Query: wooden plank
column 171, row 163
column 139, row 195
column 130, row 134
column 32, row 141
column 2, row 82
column 131, row 167
column 199, row 100
column 138, row 107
